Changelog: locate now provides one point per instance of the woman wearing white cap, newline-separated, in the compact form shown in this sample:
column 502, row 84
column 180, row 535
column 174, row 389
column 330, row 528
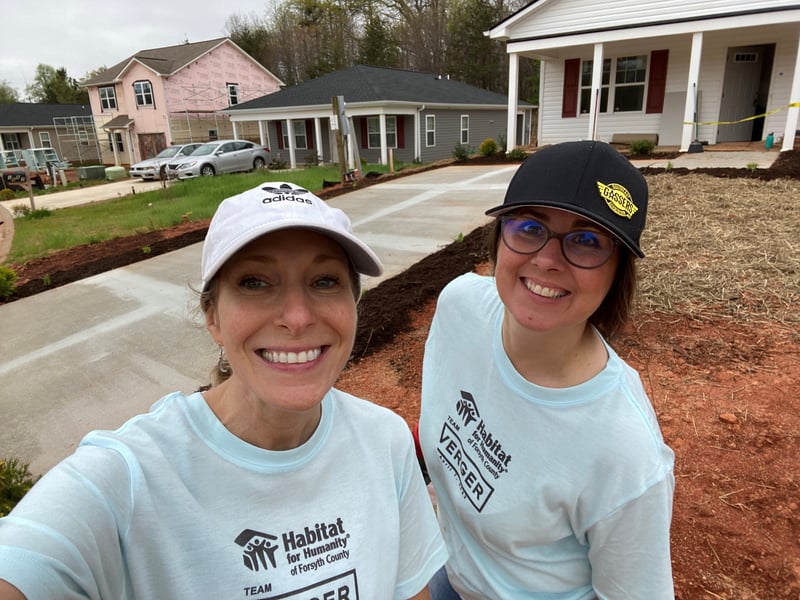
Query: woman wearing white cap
column 550, row 471
column 270, row 484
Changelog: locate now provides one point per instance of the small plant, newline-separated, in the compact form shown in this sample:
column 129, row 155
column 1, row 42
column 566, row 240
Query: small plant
column 752, row 166
column 669, row 166
column 8, row 281
column 15, row 481
column 516, row 154
column 146, row 249
column 20, row 210
column 47, row 280
column 488, row 147
column 39, row 213
column 6, row 194
column 461, row 153
column 642, row 148
column 460, row 237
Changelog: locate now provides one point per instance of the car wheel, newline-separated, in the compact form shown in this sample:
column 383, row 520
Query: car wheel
column 207, row 171
column 258, row 163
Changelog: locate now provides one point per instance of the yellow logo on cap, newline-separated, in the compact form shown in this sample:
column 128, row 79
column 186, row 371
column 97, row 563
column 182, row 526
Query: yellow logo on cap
column 618, row 199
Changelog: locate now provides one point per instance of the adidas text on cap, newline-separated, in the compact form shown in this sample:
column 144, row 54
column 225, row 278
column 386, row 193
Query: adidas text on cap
column 588, row 178
column 271, row 207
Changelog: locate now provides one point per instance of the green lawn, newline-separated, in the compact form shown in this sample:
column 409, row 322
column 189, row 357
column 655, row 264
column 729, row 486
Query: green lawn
column 42, row 232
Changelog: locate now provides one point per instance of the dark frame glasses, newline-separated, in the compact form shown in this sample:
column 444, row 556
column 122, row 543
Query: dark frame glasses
column 582, row 248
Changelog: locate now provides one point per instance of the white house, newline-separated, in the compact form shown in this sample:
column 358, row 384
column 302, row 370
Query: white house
column 682, row 70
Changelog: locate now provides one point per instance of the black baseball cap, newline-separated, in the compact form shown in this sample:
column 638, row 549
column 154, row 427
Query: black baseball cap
column 588, row 178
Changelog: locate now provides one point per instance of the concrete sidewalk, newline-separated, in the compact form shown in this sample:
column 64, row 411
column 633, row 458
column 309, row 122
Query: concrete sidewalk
column 94, row 353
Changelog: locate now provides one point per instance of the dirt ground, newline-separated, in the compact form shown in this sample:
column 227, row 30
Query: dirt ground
column 725, row 386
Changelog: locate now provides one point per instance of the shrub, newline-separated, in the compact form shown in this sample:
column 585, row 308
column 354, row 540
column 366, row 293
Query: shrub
column 461, row 153
column 8, row 280
column 15, row 481
column 6, row 194
column 642, row 147
column 488, row 147
column 516, row 154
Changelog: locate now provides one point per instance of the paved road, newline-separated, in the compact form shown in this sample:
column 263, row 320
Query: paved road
column 93, row 353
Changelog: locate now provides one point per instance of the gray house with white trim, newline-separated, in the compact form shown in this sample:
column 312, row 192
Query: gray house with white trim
column 414, row 116
column 683, row 70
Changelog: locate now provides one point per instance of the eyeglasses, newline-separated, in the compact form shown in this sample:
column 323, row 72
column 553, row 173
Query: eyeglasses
column 585, row 249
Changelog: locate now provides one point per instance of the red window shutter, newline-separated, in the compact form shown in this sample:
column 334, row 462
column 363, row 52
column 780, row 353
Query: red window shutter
column 572, row 81
column 279, row 131
column 310, row 134
column 401, row 132
column 364, row 133
column 657, row 81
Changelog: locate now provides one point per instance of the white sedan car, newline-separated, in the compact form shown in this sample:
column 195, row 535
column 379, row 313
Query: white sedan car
column 155, row 168
column 222, row 156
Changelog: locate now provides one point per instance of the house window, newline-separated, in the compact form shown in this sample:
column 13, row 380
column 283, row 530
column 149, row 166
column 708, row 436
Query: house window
column 108, row 98
column 115, row 137
column 213, row 134
column 233, row 94
column 626, row 94
column 143, row 91
column 465, row 129
column 430, row 130
column 83, row 138
column 300, row 139
column 44, row 139
column 374, row 132
column 11, row 141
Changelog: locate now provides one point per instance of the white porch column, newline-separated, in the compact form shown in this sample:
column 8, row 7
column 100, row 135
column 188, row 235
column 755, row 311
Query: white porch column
column 292, row 148
column 262, row 134
column 597, row 84
column 131, row 156
column 692, row 92
column 513, row 98
column 790, row 130
column 417, row 136
column 318, row 140
column 31, row 140
column 384, row 148
column 235, row 130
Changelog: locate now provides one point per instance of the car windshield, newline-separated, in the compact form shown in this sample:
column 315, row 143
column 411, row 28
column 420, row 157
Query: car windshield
column 168, row 152
column 204, row 150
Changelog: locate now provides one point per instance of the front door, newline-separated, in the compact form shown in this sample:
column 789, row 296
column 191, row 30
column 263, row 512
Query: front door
column 151, row 144
column 740, row 92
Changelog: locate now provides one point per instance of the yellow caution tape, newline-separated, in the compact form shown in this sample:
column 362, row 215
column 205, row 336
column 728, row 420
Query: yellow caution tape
column 771, row 112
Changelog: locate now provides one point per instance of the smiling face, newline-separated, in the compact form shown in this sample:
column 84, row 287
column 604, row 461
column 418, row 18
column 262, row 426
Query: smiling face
column 286, row 316
column 544, row 292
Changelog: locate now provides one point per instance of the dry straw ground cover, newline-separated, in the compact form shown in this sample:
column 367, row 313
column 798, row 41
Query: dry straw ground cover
column 723, row 248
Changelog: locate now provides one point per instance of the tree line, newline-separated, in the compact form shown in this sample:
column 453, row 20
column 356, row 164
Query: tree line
column 298, row 40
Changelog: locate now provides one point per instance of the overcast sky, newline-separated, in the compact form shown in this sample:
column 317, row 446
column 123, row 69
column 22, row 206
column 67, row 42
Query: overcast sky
column 83, row 35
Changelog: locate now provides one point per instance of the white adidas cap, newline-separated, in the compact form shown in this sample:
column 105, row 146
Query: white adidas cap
column 273, row 206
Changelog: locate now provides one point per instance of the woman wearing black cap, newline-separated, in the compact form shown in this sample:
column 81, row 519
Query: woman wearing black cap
column 550, row 471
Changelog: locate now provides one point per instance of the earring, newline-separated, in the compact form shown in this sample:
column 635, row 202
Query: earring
column 223, row 366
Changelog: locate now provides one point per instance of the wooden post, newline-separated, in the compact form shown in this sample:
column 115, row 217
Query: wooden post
column 338, row 126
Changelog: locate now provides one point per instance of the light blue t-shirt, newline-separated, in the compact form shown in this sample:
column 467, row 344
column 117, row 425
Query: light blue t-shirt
column 542, row 493
column 172, row 505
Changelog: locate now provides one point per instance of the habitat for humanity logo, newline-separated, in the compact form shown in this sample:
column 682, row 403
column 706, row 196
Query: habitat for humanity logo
column 471, row 452
column 306, row 549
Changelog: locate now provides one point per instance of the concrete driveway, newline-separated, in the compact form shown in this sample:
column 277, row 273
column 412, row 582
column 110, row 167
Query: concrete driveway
column 93, row 353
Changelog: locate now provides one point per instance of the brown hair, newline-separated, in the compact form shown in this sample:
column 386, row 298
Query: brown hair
column 615, row 309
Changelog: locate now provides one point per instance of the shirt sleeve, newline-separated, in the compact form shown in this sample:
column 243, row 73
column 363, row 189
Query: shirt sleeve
column 63, row 539
column 422, row 548
column 630, row 550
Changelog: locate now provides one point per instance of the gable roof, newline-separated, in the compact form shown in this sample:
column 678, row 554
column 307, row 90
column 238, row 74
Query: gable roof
column 29, row 114
column 364, row 83
column 164, row 61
